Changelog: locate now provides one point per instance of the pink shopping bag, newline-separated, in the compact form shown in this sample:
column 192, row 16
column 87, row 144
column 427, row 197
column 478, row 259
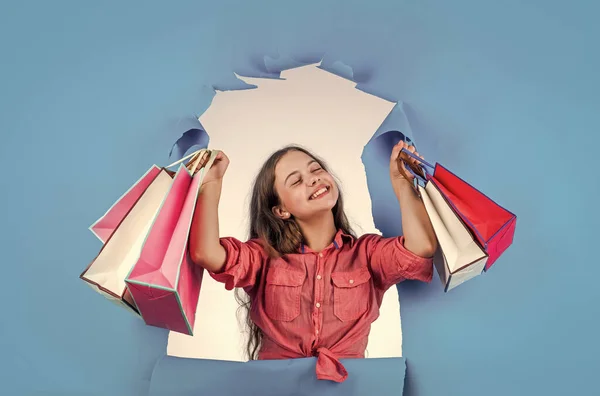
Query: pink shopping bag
column 124, row 228
column 106, row 273
column 107, row 224
column 164, row 282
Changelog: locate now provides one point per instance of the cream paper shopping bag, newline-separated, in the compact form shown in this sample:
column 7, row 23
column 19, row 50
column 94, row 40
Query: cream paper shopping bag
column 459, row 257
column 107, row 272
column 107, row 224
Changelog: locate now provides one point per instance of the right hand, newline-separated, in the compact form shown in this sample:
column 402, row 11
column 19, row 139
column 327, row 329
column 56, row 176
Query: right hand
column 218, row 168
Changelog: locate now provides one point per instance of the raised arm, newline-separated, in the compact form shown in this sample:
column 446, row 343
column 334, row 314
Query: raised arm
column 419, row 237
column 205, row 247
column 228, row 260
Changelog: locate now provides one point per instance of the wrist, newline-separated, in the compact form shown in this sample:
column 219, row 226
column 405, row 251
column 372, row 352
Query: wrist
column 401, row 182
column 401, row 186
column 211, row 185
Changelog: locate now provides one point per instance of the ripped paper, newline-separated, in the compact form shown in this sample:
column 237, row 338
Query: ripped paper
column 313, row 108
column 176, row 376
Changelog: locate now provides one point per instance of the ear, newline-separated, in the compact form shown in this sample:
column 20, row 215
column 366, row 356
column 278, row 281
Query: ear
column 280, row 213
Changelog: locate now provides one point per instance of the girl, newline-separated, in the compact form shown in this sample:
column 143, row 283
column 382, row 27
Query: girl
column 314, row 288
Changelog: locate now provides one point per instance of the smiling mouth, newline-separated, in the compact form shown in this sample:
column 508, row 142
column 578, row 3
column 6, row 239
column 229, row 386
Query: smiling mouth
column 319, row 193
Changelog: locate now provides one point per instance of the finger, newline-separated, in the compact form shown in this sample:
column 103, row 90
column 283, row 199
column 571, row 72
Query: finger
column 223, row 159
column 405, row 172
column 413, row 151
column 397, row 149
column 203, row 160
column 415, row 161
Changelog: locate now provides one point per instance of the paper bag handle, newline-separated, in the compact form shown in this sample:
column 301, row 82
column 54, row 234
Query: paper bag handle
column 419, row 173
column 198, row 159
column 424, row 164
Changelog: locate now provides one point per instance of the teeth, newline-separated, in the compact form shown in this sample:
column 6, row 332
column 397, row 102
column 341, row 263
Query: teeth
column 319, row 192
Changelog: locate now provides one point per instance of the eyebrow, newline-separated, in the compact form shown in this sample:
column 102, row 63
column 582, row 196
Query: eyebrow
column 296, row 172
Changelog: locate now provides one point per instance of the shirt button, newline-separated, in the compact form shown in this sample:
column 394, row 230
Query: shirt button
column 317, row 331
column 318, row 277
column 351, row 281
column 320, row 254
column 318, row 305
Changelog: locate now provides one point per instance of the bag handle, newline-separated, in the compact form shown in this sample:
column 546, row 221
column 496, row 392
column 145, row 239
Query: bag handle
column 424, row 164
column 418, row 172
column 198, row 159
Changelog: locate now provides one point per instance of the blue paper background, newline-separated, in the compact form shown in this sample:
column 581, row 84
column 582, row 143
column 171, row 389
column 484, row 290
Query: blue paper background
column 506, row 94
column 294, row 377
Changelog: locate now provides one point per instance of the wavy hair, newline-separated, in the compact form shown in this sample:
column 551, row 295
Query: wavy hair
column 279, row 237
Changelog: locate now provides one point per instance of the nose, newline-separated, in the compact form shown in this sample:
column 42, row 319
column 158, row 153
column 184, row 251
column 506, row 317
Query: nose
column 313, row 180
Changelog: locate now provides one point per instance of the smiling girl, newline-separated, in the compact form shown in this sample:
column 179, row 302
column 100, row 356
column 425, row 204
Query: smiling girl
column 314, row 287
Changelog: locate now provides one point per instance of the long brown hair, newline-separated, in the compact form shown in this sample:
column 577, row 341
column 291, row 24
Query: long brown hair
column 278, row 236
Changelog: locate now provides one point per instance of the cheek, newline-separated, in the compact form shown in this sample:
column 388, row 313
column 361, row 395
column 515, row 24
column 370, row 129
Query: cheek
column 336, row 192
column 291, row 200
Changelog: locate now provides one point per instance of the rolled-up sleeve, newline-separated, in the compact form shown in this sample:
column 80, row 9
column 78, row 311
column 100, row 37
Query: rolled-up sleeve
column 391, row 262
column 244, row 261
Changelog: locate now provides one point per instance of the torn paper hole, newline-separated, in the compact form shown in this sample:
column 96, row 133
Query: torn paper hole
column 195, row 137
column 316, row 109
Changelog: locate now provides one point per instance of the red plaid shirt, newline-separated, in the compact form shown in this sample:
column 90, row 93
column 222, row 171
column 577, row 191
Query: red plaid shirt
column 320, row 304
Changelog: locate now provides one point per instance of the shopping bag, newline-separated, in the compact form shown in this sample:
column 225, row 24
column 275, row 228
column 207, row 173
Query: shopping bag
column 107, row 272
column 491, row 225
column 458, row 257
column 164, row 282
column 106, row 225
column 126, row 229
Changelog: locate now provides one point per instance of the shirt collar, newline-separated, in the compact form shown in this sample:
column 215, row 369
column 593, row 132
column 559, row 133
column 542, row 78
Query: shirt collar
column 338, row 241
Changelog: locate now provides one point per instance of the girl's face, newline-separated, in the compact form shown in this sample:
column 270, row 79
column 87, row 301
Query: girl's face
column 304, row 188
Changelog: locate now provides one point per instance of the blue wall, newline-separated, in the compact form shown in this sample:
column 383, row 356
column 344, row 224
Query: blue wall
column 504, row 93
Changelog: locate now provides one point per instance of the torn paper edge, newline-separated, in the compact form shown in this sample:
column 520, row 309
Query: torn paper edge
column 272, row 68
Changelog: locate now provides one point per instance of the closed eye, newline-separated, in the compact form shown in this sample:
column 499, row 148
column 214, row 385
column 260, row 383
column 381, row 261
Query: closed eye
column 316, row 170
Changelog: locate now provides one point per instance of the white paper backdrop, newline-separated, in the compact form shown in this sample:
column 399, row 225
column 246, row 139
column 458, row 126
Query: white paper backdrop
column 322, row 112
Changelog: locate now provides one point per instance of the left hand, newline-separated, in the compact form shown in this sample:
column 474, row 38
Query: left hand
column 397, row 167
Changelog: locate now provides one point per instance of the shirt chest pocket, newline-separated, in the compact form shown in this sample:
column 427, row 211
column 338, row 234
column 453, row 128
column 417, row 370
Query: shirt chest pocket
column 351, row 293
column 282, row 293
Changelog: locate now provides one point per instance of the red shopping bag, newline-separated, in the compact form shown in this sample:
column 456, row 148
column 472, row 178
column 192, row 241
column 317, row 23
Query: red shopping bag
column 492, row 225
column 164, row 282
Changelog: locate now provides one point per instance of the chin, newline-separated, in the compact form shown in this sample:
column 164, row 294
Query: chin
column 327, row 204
column 332, row 200
column 324, row 207
column 331, row 203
